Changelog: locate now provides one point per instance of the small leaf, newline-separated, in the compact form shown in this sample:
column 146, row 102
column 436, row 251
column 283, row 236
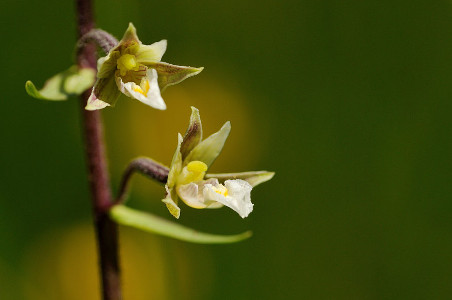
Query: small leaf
column 73, row 81
column 208, row 150
column 253, row 178
column 193, row 135
column 150, row 223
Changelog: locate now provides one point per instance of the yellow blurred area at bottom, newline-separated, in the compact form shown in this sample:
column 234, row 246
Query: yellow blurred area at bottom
column 63, row 265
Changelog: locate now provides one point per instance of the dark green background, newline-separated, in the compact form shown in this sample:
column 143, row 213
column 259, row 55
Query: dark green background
column 348, row 101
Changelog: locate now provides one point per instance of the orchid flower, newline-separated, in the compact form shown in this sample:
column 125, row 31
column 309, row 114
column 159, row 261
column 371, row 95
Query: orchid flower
column 188, row 180
column 130, row 68
column 135, row 70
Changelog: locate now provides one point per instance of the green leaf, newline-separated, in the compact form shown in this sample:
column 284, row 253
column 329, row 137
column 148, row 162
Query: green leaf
column 254, row 177
column 208, row 150
column 73, row 81
column 154, row 224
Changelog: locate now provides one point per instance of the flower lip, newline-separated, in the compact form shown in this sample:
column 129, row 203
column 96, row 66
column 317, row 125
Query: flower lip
column 235, row 194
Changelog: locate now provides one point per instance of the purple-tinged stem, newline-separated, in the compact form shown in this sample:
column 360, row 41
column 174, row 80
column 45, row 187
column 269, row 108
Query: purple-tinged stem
column 106, row 229
column 145, row 166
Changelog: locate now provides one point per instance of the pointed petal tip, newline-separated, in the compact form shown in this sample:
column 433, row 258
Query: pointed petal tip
column 95, row 104
column 195, row 116
column 198, row 70
column 130, row 34
column 227, row 125
column 131, row 26
column 160, row 107
column 270, row 175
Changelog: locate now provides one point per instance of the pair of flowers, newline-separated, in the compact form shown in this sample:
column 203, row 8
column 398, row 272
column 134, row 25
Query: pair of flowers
column 136, row 71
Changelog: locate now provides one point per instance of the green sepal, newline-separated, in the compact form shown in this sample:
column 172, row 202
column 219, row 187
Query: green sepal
column 193, row 135
column 71, row 82
column 169, row 74
column 176, row 164
column 208, row 150
column 130, row 35
column 253, row 177
column 106, row 90
column 154, row 224
column 171, row 204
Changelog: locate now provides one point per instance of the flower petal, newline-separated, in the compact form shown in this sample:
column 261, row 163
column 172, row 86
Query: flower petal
column 130, row 35
column 171, row 204
column 106, row 91
column 254, row 177
column 192, row 194
column 153, row 53
column 238, row 197
column 172, row 74
column 208, row 150
column 73, row 81
column 193, row 135
column 176, row 164
column 147, row 92
column 107, row 65
column 94, row 103
column 189, row 193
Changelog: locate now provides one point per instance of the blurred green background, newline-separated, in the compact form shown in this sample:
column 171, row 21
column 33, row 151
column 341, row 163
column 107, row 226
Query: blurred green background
column 348, row 101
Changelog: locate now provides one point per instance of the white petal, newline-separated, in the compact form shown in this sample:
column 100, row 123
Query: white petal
column 238, row 198
column 189, row 193
column 94, row 103
column 150, row 96
column 151, row 53
column 192, row 194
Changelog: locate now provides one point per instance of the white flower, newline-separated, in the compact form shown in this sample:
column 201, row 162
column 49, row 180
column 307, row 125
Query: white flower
column 188, row 181
column 136, row 71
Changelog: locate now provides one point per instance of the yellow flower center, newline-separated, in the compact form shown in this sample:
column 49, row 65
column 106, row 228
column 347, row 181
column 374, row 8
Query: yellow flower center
column 196, row 166
column 126, row 63
column 193, row 171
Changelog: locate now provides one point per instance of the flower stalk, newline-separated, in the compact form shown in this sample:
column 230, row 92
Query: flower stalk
column 106, row 229
column 145, row 166
column 102, row 38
